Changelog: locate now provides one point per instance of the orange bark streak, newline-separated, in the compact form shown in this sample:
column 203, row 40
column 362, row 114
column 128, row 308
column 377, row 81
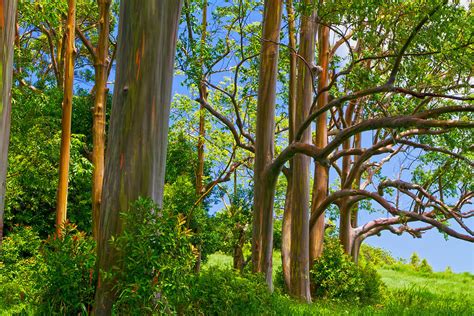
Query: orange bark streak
column 2, row 17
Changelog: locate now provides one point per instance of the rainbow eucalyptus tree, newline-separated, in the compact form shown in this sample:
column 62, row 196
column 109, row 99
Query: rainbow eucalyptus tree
column 321, row 172
column 292, row 87
column 264, row 178
column 137, row 141
column 299, row 249
column 7, row 36
column 397, row 81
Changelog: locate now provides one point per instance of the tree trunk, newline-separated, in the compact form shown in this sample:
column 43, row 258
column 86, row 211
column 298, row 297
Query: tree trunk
column 59, row 57
column 200, row 145
column 61, row 207
column 238, row 254
column 286, row 225
column 345, row 207
column 299, row 253
column 357, row 242
column 264, row 181
column 202, row 110
column 136, row 151
column 286, row 235
column 202, row 125
column 345, row 227
column 7, row 35
column 355, row 208
column 99, row 119
column 321, row 173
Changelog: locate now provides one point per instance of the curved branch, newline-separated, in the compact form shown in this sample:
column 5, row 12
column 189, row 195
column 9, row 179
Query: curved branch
column 227, row 123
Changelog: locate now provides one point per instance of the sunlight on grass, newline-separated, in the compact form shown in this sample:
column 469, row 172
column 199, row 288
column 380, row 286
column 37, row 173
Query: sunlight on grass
column 408, row 293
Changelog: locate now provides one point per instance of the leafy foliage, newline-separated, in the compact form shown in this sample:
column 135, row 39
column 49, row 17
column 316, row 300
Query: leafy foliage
column 232, row 225
column 180, row 192
column 375, row 256
column 221, row 291
column 67, row 280
column 335, row 276
column 19, row 260
column 156, row 259
column 34, row 160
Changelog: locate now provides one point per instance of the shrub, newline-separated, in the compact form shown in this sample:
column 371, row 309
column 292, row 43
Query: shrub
column 448, row 270
column 18, row 263
column 376, row 256
column 335, row 276
column 373, row 287
column 279, row 280
column 415, row 260
column 33, row 158
column 425, row 267
column 220, row 291
column 66, row 282
column 158, row 260
column 22, row 243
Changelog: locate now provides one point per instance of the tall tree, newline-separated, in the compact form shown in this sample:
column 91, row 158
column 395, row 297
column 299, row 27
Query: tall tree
column 321, row 172
column 264, row 178
column 202, row 124
column 7, row 36
column 299, row 285
column 137, row 141
column 102, row 62
column 61, row 207
column 425, row 121
column 100, row 102
column 202, row 96
column 200, row 81
column 286, row 224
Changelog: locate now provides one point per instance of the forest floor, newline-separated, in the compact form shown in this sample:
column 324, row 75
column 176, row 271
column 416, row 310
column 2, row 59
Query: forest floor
column 407, row 293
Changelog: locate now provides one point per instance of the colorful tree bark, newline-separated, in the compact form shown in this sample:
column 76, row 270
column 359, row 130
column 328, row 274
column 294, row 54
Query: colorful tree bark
column 137, row 140
column 7, row 36
column 321, row 172
column 299, row 250
column 264, row 192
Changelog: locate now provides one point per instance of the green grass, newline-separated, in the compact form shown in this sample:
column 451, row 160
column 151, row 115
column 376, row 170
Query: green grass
column 219, row 259
column 408, row 293
column 442, row 283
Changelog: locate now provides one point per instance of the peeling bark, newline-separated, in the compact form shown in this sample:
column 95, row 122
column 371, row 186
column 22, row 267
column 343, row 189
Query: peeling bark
column 137, row 141
column 265, row 179
column 286, row 235
column 286, row 225
column 7, row 35
column 321, row 172
column 299, row 252
column 346, row 219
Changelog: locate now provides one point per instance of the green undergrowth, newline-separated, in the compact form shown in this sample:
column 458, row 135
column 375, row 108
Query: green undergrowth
column 220, row 291
column 409, row 292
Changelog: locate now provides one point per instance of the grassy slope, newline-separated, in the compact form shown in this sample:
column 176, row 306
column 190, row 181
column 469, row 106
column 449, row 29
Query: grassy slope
column 438, row 283
column 409, row 293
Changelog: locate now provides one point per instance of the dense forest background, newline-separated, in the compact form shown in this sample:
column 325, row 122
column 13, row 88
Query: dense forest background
column 295, row 132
